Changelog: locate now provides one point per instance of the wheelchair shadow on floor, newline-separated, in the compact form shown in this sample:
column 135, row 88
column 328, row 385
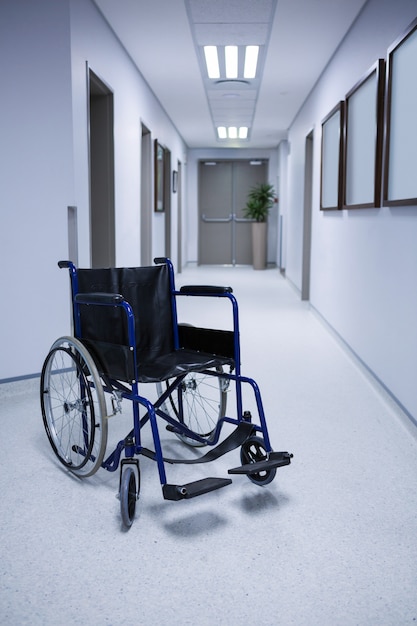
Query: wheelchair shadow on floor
column 195, row 523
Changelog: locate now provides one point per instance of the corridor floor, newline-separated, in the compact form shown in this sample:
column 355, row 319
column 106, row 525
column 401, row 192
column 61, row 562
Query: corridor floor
column 331, row 541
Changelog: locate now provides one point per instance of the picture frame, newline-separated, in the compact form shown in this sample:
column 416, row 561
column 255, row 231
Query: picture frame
column 400, row 181
column 363, row 140
column 159, row 175
column 331, row 175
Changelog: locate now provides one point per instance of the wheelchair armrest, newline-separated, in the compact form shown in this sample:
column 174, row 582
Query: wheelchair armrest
column 99, row 298
column 205, row 290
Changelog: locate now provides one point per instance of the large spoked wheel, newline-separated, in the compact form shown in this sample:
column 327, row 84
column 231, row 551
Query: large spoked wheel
column 202, row 399
column 252, row 451
column 128, row 496
column 73, row 407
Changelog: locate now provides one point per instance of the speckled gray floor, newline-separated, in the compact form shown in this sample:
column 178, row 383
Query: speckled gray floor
column 332, row 541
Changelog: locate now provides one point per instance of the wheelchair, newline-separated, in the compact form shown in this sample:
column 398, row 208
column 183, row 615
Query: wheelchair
column 127, row 336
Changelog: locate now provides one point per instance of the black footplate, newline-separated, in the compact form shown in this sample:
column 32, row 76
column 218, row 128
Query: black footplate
column 276, row 459
column 191, row 490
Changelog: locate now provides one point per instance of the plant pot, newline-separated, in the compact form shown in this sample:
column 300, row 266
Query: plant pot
column 259, row 245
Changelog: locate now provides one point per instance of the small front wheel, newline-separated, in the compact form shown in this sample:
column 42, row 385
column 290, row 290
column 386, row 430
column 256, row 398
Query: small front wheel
column 253, row 451
column 128, row 496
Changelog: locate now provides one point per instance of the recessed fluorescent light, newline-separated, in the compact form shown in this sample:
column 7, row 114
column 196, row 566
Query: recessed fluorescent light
column 251, row 61
column 212, row 61
column 231, row 61
column 232, row 132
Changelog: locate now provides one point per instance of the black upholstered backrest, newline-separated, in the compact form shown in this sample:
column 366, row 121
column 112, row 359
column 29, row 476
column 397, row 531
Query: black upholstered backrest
column 147, row 289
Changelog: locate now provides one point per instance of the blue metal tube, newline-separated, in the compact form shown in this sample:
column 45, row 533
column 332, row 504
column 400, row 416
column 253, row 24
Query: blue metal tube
column 173, row 303
column 236, row 336
column 171, row 273
column 262, row 419
column 156, row 439
column 74, row 291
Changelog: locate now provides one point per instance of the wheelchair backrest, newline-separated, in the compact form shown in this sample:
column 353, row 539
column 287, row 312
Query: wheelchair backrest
column 148, row 291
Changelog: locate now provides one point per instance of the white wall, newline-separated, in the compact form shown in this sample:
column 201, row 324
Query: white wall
column 193, row 158
column 36, row 179
column 44, row 50
column 93, row 43
column 364, row 261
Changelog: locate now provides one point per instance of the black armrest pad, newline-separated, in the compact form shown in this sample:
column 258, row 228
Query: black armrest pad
column 205, row 289
column 99, row 298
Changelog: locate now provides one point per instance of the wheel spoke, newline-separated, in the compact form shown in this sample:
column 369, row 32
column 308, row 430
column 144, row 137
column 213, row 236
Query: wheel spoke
column 198, row 403
column 73, row 407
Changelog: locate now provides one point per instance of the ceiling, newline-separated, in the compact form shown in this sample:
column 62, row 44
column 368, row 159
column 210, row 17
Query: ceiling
column 297, row 38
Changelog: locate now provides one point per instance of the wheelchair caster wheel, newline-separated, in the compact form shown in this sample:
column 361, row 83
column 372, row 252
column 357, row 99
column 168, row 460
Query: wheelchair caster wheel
column 128, row 495
column 253, row 451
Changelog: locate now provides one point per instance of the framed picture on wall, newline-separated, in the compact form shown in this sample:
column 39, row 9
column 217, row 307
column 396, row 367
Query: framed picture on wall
column 159, row 174
column 332, row 159
column 400, row 180
column 364, row 111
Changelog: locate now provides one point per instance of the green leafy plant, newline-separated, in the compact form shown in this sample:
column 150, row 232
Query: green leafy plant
column 261, row 197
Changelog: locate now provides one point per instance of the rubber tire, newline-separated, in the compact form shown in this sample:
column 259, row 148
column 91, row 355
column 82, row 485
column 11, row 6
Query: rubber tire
column 128, row 497
column 73, row 407
column 254, row 450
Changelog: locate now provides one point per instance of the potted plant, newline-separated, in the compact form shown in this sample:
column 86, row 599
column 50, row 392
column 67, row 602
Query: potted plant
column 261, row 197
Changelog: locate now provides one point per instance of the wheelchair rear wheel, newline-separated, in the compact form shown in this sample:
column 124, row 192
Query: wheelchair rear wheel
column 73, row 407
column 203, row 399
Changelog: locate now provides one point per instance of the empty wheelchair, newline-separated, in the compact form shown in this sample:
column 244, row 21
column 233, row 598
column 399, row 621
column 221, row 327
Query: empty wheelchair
column 127, row 340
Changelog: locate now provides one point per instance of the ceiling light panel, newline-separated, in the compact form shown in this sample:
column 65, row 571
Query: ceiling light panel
column 232, row 86
column 231, row 61
column 251, row 61
column 232, row 132
column 212, row 61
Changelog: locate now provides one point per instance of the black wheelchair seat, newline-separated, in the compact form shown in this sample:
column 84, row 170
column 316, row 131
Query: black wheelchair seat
column 163, row 349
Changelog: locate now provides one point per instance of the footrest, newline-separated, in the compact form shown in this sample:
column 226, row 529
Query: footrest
column 276, row 459
column 191, row 490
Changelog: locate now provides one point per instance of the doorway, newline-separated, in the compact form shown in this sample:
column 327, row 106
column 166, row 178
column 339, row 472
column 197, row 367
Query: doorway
column 101, row 149
column 178, row 190
column 308, row 186
column 146, row 198
column 224, row 232
column 167, row 201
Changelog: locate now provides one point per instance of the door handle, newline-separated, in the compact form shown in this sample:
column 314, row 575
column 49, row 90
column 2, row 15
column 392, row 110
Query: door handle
column 217, row 220
column 243, row 220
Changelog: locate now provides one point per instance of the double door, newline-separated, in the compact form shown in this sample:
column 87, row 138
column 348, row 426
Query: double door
column 224, row 232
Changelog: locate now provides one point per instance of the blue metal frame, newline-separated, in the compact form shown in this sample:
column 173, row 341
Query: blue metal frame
column 131, row 445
